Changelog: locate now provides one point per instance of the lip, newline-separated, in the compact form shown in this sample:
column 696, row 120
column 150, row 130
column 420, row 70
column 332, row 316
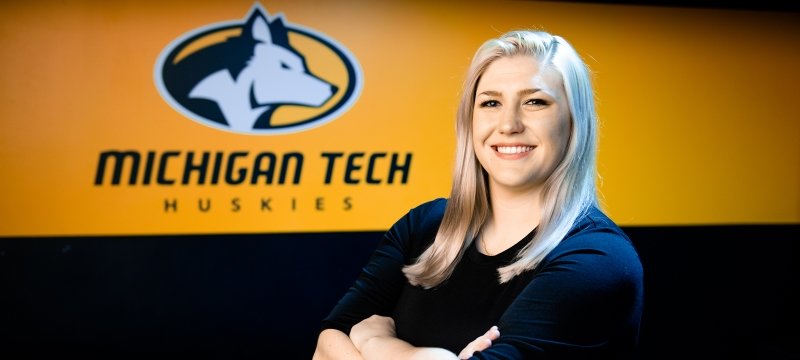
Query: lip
column 512, row 151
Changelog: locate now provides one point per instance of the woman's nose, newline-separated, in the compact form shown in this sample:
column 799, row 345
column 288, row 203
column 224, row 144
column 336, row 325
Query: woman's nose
column 510, row 123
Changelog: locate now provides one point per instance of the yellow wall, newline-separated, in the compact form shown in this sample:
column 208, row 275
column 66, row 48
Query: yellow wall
column 699, row 123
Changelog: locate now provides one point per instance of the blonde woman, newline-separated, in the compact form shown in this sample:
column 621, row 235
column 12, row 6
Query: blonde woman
column 519, row 262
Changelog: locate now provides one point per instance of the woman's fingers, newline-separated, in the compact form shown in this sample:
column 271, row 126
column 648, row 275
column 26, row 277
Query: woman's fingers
column 492, row 334
column 480, row 343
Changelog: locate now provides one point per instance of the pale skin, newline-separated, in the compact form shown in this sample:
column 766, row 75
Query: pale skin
column 375, row 338
column 520, row 129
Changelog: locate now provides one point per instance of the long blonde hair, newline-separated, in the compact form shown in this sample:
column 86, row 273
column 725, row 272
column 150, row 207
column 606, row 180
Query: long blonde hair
column 569, row 191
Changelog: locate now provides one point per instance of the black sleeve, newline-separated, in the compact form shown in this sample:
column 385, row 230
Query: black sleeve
column 376, row 290
column 585, row 300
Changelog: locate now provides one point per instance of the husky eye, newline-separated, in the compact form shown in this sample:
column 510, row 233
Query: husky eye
column 285, row 66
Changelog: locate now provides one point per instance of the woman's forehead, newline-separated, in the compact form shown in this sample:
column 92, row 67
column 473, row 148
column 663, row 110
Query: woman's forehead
column 519, row 73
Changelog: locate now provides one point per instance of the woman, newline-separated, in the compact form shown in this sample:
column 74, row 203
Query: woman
column 519, row 262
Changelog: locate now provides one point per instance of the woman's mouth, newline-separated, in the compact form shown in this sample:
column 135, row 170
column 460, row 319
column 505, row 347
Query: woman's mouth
column 512, row 150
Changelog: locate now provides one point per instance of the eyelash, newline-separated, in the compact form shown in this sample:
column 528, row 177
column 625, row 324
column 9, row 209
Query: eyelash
column 541, row 102
column 495, row 103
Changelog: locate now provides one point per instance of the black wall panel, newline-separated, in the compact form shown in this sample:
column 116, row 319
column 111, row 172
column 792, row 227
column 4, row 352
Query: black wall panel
column 712, row 292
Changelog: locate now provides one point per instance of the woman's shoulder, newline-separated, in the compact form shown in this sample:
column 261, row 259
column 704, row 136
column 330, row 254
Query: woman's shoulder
column 596, row 232
column 595, row 220
column 425, row 218
column 424, row 214
column 417, row 228
column 598, row 248
column 429, row 210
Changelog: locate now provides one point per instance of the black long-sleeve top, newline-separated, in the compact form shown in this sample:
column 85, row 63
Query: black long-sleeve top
column 584, row 300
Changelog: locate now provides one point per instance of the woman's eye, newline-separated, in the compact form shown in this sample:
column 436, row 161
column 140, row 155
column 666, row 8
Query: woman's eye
column 490, row 103
column 539, row 102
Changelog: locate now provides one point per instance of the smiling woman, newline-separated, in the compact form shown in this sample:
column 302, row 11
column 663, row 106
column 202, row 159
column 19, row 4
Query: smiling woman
column 520, row 124
column 520, row 261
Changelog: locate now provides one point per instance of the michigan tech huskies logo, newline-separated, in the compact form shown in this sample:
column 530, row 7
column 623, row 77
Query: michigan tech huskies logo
column 262, row 75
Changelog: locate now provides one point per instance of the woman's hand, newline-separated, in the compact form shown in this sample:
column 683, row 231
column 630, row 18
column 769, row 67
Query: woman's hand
column 371, row 327
column 480, row 343
column 386, row 345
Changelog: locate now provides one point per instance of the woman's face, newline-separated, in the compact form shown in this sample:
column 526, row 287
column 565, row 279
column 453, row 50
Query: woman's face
column 520, row 123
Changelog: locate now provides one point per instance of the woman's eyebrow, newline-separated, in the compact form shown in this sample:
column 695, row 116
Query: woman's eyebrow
column 520, row 93
column 528, row 91
column 490, row 93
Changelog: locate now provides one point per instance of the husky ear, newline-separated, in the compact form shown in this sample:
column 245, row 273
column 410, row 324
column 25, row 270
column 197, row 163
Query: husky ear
column 260, row 30
column 278, row 32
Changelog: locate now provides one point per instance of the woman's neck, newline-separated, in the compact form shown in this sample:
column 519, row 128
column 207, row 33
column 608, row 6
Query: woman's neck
column 513, row 215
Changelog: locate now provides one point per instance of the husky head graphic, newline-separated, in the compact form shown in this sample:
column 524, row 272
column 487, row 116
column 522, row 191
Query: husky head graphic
column 238, row 83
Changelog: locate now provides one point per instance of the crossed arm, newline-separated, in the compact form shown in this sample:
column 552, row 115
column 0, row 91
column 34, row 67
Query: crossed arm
column 375, row 338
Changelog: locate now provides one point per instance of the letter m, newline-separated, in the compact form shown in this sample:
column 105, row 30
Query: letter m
column 119, row 164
